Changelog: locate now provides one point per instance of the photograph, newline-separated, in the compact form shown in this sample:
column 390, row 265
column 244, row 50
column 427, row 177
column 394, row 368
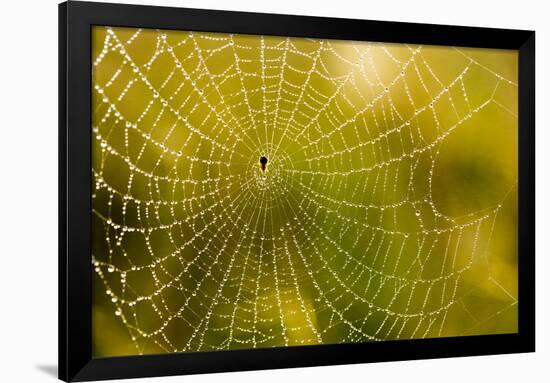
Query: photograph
column 263, row 191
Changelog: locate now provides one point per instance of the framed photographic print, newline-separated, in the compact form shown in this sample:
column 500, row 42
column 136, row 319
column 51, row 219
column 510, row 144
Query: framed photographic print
column 248, row 191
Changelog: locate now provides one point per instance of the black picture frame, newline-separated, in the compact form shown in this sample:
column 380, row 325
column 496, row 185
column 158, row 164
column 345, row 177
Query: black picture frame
column 75, row 267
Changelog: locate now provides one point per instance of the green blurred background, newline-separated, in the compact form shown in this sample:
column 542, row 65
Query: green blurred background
column 387, row 210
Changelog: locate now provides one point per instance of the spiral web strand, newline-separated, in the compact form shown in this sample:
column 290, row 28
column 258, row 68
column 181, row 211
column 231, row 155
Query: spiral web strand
column 339, row 239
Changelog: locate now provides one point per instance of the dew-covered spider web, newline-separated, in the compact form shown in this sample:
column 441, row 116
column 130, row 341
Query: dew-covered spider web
column 253, row 191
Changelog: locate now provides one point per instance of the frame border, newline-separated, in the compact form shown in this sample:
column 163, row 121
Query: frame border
column 75, row 269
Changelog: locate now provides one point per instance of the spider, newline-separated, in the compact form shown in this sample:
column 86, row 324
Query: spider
column 263, row 163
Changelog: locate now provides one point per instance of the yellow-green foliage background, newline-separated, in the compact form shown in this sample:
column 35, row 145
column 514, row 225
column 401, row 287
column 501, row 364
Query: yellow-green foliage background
column 388, row 209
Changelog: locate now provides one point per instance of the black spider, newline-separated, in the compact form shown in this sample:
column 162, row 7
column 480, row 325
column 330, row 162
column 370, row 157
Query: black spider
column 263, row 162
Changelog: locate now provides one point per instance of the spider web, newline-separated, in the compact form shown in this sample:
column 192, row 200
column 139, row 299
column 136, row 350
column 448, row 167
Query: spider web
column 339, row 240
